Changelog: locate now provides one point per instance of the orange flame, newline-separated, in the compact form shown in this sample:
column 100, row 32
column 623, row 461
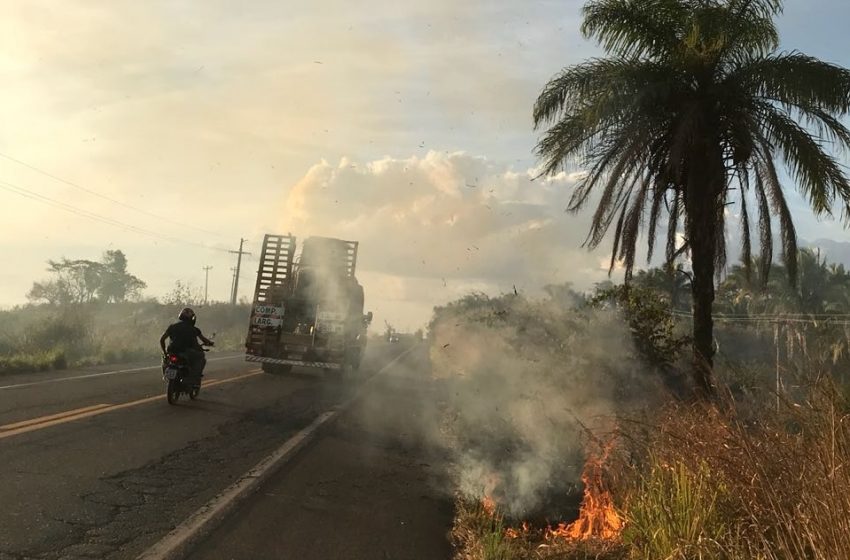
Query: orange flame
column 488, row 504
column 513, row 533
column 598, row 518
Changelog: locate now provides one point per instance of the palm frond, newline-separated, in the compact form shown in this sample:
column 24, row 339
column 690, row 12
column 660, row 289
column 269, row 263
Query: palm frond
column 747, row 26
column 658, row 198
column 632, row 225
column 746, row 241
column 787, row 231
column 635, row 28
column 765, row 231
column 794, row 80
column 673, row 227
column 817, row 174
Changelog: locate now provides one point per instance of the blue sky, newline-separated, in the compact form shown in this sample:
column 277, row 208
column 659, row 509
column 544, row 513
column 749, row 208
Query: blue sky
column 242, row 119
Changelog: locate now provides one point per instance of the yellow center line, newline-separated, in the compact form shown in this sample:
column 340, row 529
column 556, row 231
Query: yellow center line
column 40, row 419
column 26, row 426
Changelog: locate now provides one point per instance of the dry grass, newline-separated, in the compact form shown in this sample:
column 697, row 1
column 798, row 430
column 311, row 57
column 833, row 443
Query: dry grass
column 713, row 483
column 768, row 483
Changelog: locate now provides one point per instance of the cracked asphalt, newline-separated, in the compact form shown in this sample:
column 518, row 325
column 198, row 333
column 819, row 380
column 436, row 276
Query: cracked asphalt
column 110, row 485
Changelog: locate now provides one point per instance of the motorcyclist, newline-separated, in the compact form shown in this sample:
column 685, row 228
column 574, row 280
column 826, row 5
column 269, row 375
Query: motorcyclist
column 184, row 336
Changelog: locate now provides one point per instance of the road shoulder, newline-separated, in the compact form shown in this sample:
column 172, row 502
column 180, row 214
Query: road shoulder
column 370, row 487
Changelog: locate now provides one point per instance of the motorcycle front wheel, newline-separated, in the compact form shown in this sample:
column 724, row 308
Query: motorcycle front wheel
column 172, row 391
column 193, row 393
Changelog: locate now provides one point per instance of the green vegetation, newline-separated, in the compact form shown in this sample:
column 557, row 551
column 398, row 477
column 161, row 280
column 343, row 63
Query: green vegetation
column 689, row 522
column 90, row 313
column 692, row 109
column 84, row 281
column 822, row 288
column 45, row 337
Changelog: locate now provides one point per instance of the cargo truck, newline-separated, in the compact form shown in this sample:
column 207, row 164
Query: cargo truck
column 308, row 309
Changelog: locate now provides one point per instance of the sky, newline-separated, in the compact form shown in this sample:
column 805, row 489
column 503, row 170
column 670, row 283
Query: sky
column 405, row 125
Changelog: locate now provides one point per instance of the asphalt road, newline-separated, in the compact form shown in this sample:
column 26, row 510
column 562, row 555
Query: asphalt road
column 373, row 487
column 95, row 463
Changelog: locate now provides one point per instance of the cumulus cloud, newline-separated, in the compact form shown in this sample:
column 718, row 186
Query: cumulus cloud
column 435, row 227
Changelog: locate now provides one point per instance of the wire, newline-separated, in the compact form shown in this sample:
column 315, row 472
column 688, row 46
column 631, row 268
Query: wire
column 103, row 196
column 26, row 193
column 771, row 319
column 776, row 315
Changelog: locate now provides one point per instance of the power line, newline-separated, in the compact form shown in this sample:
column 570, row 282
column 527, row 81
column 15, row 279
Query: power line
column 103, row 196
column 776, row 315
column 773, row 319
column 27, row 193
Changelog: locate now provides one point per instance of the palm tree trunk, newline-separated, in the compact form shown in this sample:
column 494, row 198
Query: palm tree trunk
column 704, row 184
column 703, row 249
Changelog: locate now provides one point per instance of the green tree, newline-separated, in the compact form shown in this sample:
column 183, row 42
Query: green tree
column 117, row 284
column 52, row 292
column 821, row 288
column 692, row 108
column 83, row 281
column 673, row 282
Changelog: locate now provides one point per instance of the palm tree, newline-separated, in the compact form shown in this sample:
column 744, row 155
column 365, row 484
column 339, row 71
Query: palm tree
column 820, row 288
column 692, row 109
column 673, row 282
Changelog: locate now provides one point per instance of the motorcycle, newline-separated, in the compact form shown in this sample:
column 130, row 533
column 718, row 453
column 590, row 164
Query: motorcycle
column 179, row 378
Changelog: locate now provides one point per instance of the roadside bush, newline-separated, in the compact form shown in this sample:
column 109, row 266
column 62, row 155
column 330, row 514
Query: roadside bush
column 38, row 361
column 69, row 329
column 43, row 337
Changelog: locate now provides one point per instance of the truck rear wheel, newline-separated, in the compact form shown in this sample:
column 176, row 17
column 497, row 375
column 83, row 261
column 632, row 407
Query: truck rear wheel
column 335, row 374
column 277, row 369
column 353, row 360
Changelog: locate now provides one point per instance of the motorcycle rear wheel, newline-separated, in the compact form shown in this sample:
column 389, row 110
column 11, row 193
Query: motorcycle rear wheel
column 193, row 393
column 172, row 392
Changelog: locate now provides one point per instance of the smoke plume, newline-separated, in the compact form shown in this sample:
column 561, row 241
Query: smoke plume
column 525, row 380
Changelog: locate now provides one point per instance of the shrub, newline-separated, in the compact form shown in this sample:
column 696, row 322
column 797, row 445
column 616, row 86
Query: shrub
column 675, row 513
column 42, row 337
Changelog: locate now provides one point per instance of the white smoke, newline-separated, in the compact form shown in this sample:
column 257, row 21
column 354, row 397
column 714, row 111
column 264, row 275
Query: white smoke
column 436, row 227
column 523, row 381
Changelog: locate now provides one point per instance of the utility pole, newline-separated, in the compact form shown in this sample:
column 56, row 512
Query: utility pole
column 206, row 283
column 239, row 254
column 232, row 281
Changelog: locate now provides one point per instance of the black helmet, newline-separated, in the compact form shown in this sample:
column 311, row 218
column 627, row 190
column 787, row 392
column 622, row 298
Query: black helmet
column 186, row 314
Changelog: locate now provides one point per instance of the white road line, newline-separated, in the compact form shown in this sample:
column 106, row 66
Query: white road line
column 177, row 544
column 101, row 374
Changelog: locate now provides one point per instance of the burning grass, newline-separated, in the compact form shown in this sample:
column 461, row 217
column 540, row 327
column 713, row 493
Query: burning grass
column 481, row 532
column 697, row 482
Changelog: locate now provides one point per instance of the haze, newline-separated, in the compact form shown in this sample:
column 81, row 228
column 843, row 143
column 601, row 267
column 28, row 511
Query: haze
column 405, row 125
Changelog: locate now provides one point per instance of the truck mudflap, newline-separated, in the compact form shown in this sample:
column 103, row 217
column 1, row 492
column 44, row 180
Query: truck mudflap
column 323, row 365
